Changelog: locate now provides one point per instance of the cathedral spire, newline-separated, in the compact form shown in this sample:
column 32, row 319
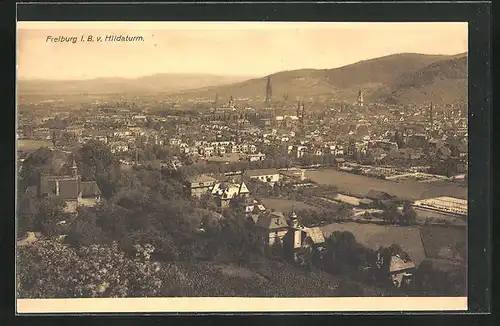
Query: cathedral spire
column 269, row 90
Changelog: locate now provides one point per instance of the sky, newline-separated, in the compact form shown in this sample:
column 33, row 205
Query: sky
column 220, row 48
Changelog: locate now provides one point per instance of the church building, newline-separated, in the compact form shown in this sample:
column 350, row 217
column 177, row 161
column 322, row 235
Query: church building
column 69, row 188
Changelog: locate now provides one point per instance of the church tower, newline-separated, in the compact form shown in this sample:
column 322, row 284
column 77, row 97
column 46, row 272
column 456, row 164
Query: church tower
column 360, row 100
column 269, row 90
column 294, row 229
column 74, row 169
column 294, row 221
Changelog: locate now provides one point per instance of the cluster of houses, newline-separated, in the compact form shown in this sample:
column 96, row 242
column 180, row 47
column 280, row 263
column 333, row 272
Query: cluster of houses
column 274, row 227
column 337, row 134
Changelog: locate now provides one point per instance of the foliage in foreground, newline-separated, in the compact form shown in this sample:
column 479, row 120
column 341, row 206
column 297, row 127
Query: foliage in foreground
column 49, row 269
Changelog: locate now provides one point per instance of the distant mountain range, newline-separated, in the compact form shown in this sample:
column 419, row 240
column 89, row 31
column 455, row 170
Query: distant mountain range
column 442, row 82
column 397, row 79
column 168, row 83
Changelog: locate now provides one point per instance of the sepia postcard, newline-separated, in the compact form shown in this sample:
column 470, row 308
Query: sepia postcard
column 241, row 167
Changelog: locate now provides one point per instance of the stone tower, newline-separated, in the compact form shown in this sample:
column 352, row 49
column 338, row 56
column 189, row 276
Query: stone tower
column 74, row 169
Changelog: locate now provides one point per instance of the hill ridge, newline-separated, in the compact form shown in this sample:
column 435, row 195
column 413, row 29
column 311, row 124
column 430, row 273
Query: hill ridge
column 402, row 78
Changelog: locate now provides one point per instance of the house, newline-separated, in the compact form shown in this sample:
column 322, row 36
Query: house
column 70, row 189
column 270, row 176
column 312, row 237
column 252, row 207
column 299, row 238
column 378, row 196
column 226, row 191
column 365, row 203
column 199, row 184
column 400, row 271
column 272, row 227
column 256, row 157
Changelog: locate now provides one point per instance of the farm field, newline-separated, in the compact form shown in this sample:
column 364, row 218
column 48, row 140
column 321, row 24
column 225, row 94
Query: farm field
column 360, row 185
column 286, row 206
column 434, row 217
column 373, row 236
column 441, row 242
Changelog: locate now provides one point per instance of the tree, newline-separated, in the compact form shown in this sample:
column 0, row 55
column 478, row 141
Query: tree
column 49, row 213
column 36, row 164
column 344, row 211
column 344, row 255
column 91, row 272
column 207, row 201
column 409, row 215
column 391, row 214
column 68, row 139
column 432, row 281
column 277, row 248
column 84, row 231
column 398, row 138
column 96, row 162
column 27, row 212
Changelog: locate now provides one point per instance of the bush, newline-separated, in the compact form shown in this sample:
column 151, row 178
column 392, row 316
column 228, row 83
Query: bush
column 49, row 269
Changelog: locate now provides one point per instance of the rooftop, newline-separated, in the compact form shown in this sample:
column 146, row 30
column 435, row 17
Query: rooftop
column 377, row 195
column 445, row 204
column 201, row 178
column 398, row 264
column 315, row 234
column 260, row 172
column 273, row 221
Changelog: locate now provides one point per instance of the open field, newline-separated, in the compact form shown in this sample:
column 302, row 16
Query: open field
column 286, row 206
column 443, row 242
column 373, row 236
column 435, row 217
column 360, row 185
column 32, row 145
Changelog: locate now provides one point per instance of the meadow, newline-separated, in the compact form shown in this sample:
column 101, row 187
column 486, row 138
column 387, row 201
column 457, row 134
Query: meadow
column 359, row 185
column 32, row 145
column 373, row 236
column 444, row 242
column 286, row 206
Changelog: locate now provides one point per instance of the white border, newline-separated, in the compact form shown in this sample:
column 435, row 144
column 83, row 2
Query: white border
column 149, row 305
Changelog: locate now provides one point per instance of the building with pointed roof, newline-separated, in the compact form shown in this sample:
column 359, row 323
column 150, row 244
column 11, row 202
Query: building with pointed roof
column 272, row 227
column 69, row 188
column 226, row 191
column 199, row 184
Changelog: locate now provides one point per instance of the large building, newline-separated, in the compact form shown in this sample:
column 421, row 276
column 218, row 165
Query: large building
column 272, row 227
column 270, row 176
column 224, row 192
column 69, row 188
column 199, row 184
column 443, row 205
column 269, row 91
